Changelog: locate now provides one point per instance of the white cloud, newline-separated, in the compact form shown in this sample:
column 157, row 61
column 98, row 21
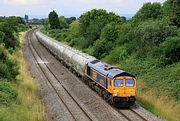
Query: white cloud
column 21, row 2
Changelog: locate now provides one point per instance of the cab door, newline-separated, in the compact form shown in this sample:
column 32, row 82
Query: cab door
column 110, row 85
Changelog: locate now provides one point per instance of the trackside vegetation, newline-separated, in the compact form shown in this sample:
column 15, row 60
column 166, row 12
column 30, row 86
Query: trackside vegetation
column 19, row 99
column 147, row 45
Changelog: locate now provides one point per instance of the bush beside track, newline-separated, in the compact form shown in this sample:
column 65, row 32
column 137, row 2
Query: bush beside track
column 19, row 98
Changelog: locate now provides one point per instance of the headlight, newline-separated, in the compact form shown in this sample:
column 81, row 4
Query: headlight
column 115, row 94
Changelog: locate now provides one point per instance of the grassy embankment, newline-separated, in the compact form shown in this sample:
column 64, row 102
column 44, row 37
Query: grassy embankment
column 27, row 106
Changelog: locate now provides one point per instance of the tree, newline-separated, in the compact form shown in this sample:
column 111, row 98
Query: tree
column 175, row 12
column 171, row 50
column 124, row 33
column 92, row 22
column 1, row 37
column 151, row 33
column 148, row 11
column 101, row 48
column 9, row 39
column 109, row 32
column 8, row 66
column 53, row 20
column 74, row 29
column 46, row 23
column 171, row 9
column 70, row 20
column 63, row 22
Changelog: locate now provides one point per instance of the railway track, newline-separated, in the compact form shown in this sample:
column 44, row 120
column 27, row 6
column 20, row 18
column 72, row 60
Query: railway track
column 83, row 114
column 144, row 119
column 129, row 115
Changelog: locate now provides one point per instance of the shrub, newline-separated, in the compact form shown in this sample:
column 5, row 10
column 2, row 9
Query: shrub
column 124, row 33
column 119, row 53
column 150, row 34
column 79, row 42
column 101, row 48
column 109, row 32
column 8, row 66
column 7, row 93
column 171, row 50
column 148, row 11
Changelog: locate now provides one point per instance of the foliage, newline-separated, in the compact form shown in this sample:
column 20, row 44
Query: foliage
column 124, row 33
column 63, row 23
column 148, row 11
column 74, row 28
column 92, row 22
column 79, row 42
column 46, row 24
column 109, row 32
column 18, row 94
column 70, row 20
column 7, row 93
column 150, row 34
column 9, row 26
column 175, row 13
column 53, row 20
column 101, row 48
column 9, row 39
column 119, row 54
column 8, row 66
column 172, row 10
column 5, row 117
column 171, row 50
column 107, row 39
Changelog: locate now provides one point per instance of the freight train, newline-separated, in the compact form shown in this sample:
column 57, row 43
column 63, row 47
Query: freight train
column 113, row 84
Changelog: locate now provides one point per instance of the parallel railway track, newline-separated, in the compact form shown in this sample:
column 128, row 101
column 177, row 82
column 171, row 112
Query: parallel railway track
column 37, row 57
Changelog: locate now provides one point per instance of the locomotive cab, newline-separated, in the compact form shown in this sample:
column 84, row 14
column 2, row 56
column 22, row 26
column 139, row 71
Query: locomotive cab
column 113, row 84
column 123, row 89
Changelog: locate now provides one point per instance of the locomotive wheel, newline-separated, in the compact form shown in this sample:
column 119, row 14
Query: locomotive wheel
column 106, row 96
column 111, row 100
column 103, row 94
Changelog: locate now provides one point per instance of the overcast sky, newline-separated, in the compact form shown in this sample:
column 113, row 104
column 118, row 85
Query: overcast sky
column 41, row 8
